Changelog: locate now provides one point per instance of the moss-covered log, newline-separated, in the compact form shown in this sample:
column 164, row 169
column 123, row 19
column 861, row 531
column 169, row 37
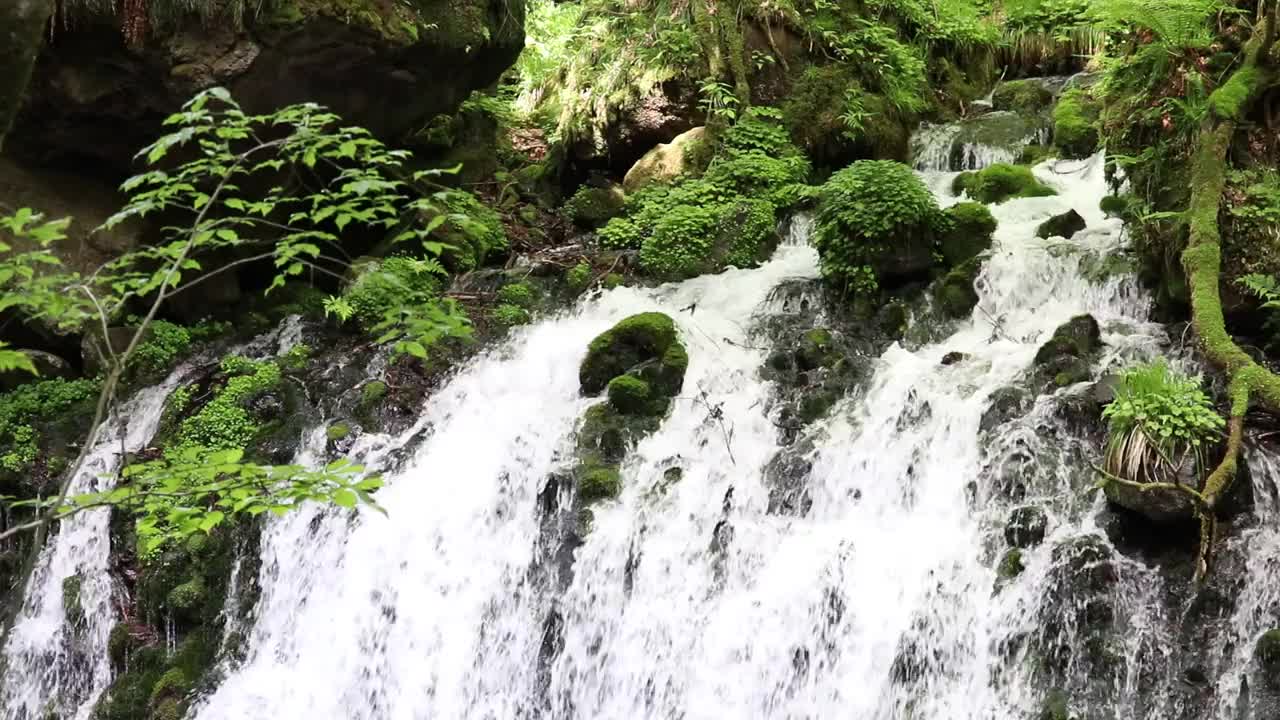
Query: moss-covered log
column 22, row 25
column 1202, row 259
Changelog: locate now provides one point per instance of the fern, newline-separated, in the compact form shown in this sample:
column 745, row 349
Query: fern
column 1176, row 24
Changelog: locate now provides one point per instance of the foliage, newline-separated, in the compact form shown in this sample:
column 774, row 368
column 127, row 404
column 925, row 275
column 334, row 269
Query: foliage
column 1159, row 418
column 164, row 344
column 29, row 404
column 225, row 423
column 866, row 209
column 680, row 242
column 1000, row 182
column 593, row 206
column 520, row 294
column 579, row 276
column 510, row 315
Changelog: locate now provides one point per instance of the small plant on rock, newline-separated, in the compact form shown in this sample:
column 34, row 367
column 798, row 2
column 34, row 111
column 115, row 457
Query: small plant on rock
column 1160, row 419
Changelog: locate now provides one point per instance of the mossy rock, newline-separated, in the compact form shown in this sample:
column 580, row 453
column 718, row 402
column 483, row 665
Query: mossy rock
column 1056, row 707
column 1267, row 653
column 971, row 232
column 954, row 293
column 630, row 395
column 1075, row 124
column 188, row 597
column 598, row 483
column 591, row 206
column 71, row 603
column 1115, row 205
column 1022, row 96
column 1004, row 131
column 1000, row 182
column 645, row 345
column 1026, row 527
column 667, row 161
column 817, row 349
column 1064, row 225
column 1010, row 567
column 337, row 431
column 372, row 393
column 1079, row 337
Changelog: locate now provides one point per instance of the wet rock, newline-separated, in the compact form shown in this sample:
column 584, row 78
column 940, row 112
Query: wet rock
column 955, row 293
column 48, row 366
column 390, row 67
column 665, row 162
column 1001, row 132
column 1024, row 96
column 1026, row 527
column 1267, row 654
column 646, row 344
column 1006, row 404
column 1010, row 567
column 1064, row 225
column 971, row 232
column 953, row 357
column 787, row 476
column 1067, row 358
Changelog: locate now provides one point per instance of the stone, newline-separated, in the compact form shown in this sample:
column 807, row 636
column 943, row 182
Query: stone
column 1023, row 96
column 647, row 344
column 665, row 162
column 47, row 365
column 954, row 357
column 389, row 67
column 954, row 293
column 971, row 233
column 1079, row 337
column 1026, row 527
column 1064, row 226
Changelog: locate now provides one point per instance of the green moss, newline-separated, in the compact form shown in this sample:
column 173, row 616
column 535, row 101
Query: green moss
column 630, row 395
column 591, row 207
column 1267, row 651
column 337, row 431
column 599, row 483
column 876, row 221
column 164, row 343
column 71, row 605
column 613, row 280
column 172, row 684
column 225, row 422
column 508, row 315
column 633, row 342
column 1002, row 181
column 519, row 294
column 1010, row 566
column 188, row 596
column 1055, row 707
column 970, row 234
column 1114, row 205
column 954, row 293
column 1231, row 99
column 39, row 420
column 373, row 392
column 578, row 277
column 1075, row 130
column 1024, row 96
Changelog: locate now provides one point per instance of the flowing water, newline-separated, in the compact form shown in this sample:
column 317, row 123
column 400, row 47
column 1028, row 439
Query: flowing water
column 55, row 666
column 691, row 600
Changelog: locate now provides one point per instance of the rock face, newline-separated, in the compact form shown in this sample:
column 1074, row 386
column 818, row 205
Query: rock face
column 386, row 66
column 665, row 162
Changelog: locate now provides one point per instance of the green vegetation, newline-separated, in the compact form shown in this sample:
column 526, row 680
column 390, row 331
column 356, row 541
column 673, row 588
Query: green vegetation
column 1074, row 124
column 39, row 404
column 1000, row 182
column 1158, row 420
column 591, row 207
column 875, row 219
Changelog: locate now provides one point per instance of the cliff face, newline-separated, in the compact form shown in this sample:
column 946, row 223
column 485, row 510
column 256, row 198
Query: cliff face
column 96, row 98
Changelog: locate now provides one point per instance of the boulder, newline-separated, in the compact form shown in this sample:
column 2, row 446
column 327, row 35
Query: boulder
column 972, row 229
column 954, row 293
column 1026, row 527
column 386, row 66
column 1000, row 182
column 592, row 206
column 1023, row 96
column 1064, row 226
column 665, row 162
column 646, row 345
column 48, row 366
column 1067, row 357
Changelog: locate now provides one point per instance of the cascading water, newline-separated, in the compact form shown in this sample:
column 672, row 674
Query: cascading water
column 693, row 599
column 55, row 659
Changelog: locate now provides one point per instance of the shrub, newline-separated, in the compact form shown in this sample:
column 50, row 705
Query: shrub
column 224, row 423
column 757, row 174
column 1158, row 420
column 1000, row 182
column 38, row 402
column 680, row 242
column 621, row 234
column 164, row 344
column 578, row 277
column 389, row 283
column 875, row 218
column 508, row 315
column 519, row 294
column 1075, row 131
column 472, row 230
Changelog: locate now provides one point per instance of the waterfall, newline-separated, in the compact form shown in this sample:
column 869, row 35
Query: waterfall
column 692, row 599
column 54, row 667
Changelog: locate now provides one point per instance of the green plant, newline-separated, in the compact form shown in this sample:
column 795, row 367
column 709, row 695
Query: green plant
column 27, row 405
column 520, row 294
column 579, row 276
column 163, row 345
column 680, row 242
column 1074, row 130
column 508, row 315
column 1158, row 420
column 718, row 101
column 865, row 211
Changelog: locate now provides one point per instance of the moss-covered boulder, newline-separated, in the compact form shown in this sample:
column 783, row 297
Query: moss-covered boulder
column 1267, row 653
column 387, row 66
column 1067, row 357
column 1022, row 96
column 1000, row 182
column 1063, row 225
column 645, row 345
column 971, row 230
column 667, row 161
column 954, row 293
column 877, row 227
column 1002, row 132
column 592, row 206
column 1075, row 124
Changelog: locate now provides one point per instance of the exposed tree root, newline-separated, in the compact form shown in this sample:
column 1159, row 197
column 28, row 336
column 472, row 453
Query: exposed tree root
column 1202, row 260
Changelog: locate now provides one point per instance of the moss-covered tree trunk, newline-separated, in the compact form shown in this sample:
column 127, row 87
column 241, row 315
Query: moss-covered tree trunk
column 22, row 24
column 1247, row 380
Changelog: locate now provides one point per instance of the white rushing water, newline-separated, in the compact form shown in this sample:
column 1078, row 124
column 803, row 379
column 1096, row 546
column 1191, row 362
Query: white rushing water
column 52, row 666
column 432, row 610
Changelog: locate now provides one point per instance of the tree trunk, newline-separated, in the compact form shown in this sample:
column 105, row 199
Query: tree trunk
column 22, row 25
